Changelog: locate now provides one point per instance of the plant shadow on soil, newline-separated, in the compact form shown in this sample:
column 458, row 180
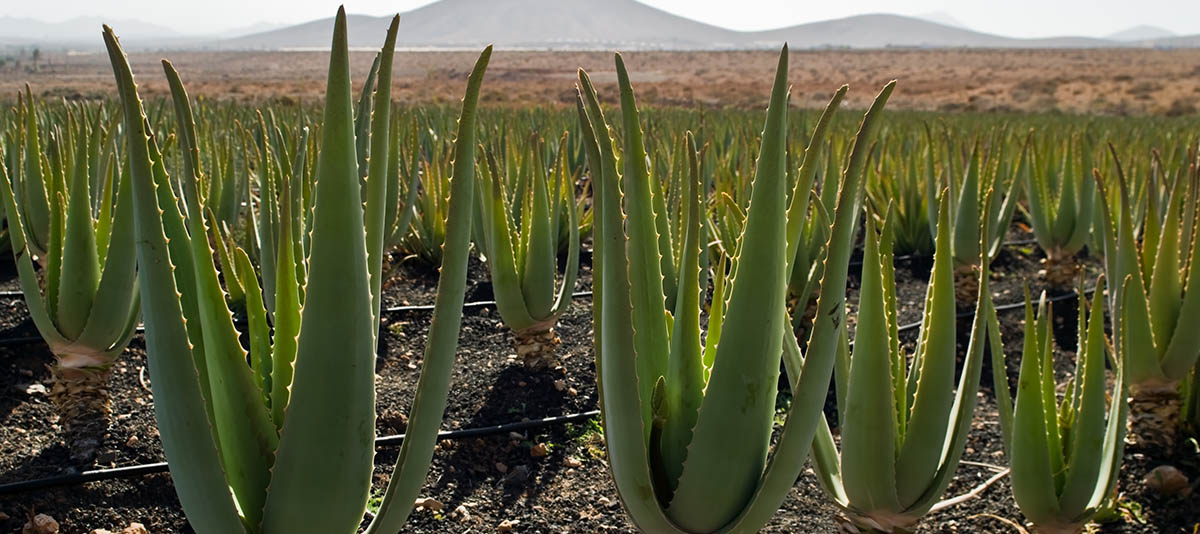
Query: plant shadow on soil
column 497, row 478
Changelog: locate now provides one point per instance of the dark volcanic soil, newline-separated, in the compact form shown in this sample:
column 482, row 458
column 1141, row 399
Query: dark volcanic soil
column 482, row 482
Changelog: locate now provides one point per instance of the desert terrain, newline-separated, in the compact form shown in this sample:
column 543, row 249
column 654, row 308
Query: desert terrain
column 1094, row 81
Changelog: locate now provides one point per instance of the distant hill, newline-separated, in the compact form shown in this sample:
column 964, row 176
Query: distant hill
column 884, row 31
column 571, row 25
column 1141, row 33
column 512, row 24
column 17, row 30
column 630, row 25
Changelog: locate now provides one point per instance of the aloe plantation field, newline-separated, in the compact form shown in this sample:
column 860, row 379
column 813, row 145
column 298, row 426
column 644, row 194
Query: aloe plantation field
column 775, row 307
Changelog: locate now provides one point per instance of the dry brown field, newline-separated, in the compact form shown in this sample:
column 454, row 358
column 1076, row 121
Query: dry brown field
column 1074, row 81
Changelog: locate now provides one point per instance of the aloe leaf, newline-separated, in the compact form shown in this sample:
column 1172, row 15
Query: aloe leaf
column 1183, row 348
column 429, row 403
column 79, row 255
column 541, row 244
column 377, row 164
column 1032, row 475
column 966, row 216
column 933, row 398
column 182, row 418
column 1165, row 283
column 287, row 316
column 1088, row 433
column 685, row 380
column 116, row 299
column 502, row 267
column 571, row 273
column 336, row 354
column 625, row 411
column 259, row 329
column 53, row 263
column 868, row 444
column 650, row 332
column 35, row 201
column 792, row 448
column 27, row 274
column 962, row 412
column 801, row 193
column 244, row 430
column 363, row 125
column 721, row 474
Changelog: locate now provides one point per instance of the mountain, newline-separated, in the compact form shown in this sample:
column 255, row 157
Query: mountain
column 1141, row 33
column 568, row 25
column 81, row 30
column 943, row 18
column 512, row 24
column 888, row 31
column 631, row 25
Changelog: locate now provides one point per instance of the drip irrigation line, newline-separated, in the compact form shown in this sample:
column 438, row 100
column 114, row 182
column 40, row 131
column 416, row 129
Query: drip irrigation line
column 1002, row 308
column 98, row 475
column 27, row 340
column 1014, row 243
column 386, row 441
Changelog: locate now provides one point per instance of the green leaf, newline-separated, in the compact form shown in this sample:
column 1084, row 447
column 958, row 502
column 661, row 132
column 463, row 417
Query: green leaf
column 181, row 413
column 429, row 403
column 868, row 459
column 733, row 430
column 332, row 408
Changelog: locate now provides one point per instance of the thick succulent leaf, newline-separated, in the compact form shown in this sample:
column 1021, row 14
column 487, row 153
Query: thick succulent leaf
column 541, row 244
column 429, row 402
column 934, row 397
column 1089, row 429
column 571, row 273
column 287, row 314
column 953, row 443
column 965, row 233
column 35, row 201
column 183, row 422
column 798, row 210
column 733, row 429
column 27, row 274
column 1183, row 347
column 117, row 295
column 685, row 378
column 1029, row 458
column 625, row 413
column 244, row 430
column 808, row 398
column 377, row 165
column 868, row 437
column 650, row 332
column 80, row 258
column 259, row 329
column 498, row 247
column 332, row 408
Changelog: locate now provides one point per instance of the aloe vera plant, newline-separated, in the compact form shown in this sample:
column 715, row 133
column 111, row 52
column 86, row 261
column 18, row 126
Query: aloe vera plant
column 520, row 241
column 1154, row 292
column 85, row 303
column 286, row 444
column 1065, row 455
column 688, row 424
column 972, row 250
column 903, row 426
column 1061, row 204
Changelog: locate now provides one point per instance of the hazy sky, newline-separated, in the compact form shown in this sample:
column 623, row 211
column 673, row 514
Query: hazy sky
column 1018, row 18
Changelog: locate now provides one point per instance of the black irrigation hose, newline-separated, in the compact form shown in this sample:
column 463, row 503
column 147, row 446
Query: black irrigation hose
column 97, row 475
column 161, row 467
column 1015, row 243
column 26, row 340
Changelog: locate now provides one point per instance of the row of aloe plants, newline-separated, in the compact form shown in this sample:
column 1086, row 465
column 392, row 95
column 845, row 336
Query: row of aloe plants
column 245, row 440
